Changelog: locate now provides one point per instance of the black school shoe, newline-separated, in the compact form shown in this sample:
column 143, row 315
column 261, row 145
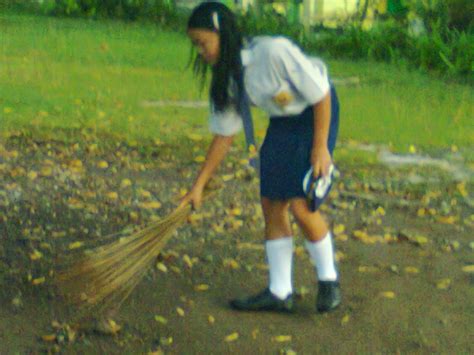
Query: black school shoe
column 329, row 296
column 264, row 301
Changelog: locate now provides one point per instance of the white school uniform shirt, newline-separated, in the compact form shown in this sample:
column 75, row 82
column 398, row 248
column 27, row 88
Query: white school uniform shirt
column 275, row 66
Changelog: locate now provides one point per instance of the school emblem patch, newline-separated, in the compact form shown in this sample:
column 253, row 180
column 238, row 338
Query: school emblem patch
column 283, row 98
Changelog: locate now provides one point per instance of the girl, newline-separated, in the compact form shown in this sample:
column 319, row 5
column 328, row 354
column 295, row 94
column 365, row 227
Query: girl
column 294, row 90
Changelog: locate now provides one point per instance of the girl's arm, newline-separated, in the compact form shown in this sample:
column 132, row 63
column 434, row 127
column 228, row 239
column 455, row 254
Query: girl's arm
column 217, row 151
column 320, row 156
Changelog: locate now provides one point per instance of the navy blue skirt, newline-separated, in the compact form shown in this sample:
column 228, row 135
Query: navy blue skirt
column 285, row 155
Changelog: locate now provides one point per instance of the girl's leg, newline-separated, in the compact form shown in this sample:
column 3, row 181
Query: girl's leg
column 277, row 221
column 278, row 246
column 320, row 248
column 279, row 251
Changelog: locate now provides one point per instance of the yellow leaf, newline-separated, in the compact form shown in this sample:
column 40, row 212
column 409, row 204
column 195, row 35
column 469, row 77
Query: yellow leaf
column 125, row 183
column 281, row 338
column 211, row 319
column 447, row 219
column 411, row 270
column 49, row 337
column 236, row 211
column 162, row 267
column 187, row 260
column 340, row 256
column 156, row 352
column 227, row 177
column 75, row 245
column 367, row 269
column 76, row 163
column 443, row 284
column 232, row 337
column 133, row 216
column 150, row 205
column 180, row 311
column 112, row 195
column 201, row 287
column 250, row 246
column 345, row 319
column 412, row 149
column 74, row 203
column 36, row 255
column 161, row 319
column 338, row 229
column 462, row 189
column 388, row 294
column 194, row 137
column 231, row 263
column 32, row 175
column 468, row 268
column 419, row 239
column 200, row 159
column 46, row 171
column 102, row 164
column 113, row 327
column 144, row 193
column 38, row 281
column 92, row 148
column 342, row 238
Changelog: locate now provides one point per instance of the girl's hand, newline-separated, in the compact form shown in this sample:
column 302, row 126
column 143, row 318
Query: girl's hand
column 320, row 161
column 194, row 197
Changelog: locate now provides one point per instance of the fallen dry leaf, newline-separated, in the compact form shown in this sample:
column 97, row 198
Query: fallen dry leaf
column 388, row 294
column 161, row 319
column 232, row 337
column 281, row 338
column 180, row 311
column 468, row 268
column 201, row 287
column 443, row 284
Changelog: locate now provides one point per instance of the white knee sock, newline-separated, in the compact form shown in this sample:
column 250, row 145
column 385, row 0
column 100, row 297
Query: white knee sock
column 322, row 254
column 279, row 257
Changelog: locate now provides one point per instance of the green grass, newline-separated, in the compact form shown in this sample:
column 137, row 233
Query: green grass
column 79, row 73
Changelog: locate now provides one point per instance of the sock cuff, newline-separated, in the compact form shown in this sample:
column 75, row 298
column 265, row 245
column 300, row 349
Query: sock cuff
column 326, row 238
column 280, row 242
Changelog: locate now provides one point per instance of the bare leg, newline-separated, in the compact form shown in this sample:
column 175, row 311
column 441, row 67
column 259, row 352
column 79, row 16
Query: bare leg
column 277, row 222
column 313, row 224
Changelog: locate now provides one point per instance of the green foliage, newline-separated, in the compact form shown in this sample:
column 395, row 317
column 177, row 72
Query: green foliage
column 446, row 47
column 163, row 10
column 260, row 22
column 444, row 14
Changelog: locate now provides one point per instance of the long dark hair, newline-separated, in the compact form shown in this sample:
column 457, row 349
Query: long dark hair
column 227, row 82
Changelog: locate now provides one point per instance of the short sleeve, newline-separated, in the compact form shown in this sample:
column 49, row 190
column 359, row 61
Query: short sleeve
column 308, row 77
column 225, row 123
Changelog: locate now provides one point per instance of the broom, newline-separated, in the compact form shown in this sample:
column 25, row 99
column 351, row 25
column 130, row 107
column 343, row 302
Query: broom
column 104, row 277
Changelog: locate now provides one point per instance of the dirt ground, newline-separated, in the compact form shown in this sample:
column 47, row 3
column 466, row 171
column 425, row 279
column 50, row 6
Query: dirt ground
column 405, row 254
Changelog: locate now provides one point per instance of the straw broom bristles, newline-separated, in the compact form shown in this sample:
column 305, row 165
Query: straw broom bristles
column 103, row 279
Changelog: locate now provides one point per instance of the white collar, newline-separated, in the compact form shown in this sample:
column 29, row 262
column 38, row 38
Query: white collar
column 246, row 56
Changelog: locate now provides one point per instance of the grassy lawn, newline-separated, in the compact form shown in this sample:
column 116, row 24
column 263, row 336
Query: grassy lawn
column 79, row 73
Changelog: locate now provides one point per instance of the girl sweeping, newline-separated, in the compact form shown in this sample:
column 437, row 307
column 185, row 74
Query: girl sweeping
column 272, row 73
